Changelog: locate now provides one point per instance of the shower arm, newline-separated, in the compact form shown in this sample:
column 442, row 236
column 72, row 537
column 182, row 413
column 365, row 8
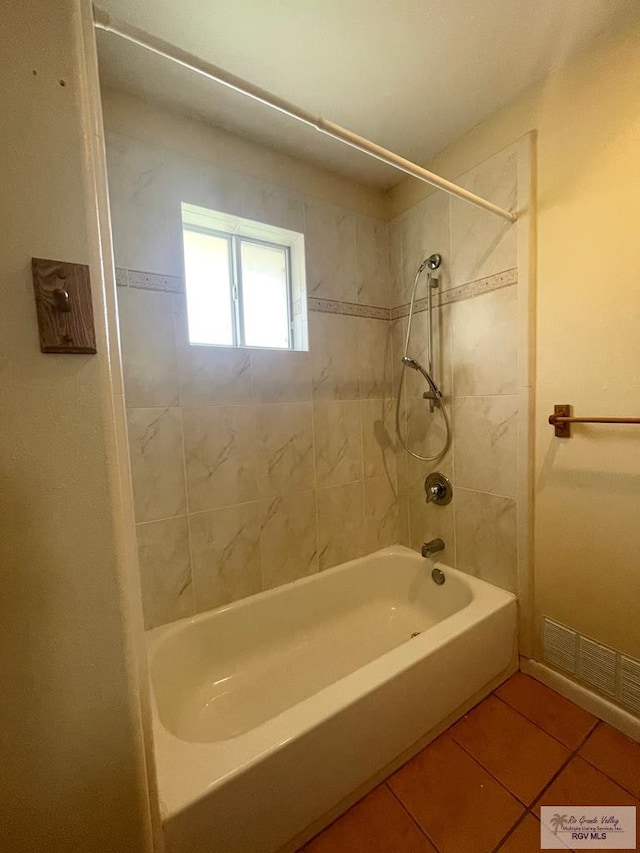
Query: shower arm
column 103, row 21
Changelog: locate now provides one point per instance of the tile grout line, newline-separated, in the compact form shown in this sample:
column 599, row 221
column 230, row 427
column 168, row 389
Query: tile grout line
column 565, row 764
column 359, row 365
column 364, row 497
column 511, row 831
column 315, row 466
column 573, row 753
column 311, row 351
column 259, row 499
column 556, row 739
column 175, row 325
column 486, row 770
column 528, row 809
column 408, row 813
column 187, row 506
column 576, row 754
column 521, row 820
column 599, row 769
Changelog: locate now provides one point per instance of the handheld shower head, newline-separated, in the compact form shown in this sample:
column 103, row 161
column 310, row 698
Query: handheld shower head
column 433, row 262
column 410, row 362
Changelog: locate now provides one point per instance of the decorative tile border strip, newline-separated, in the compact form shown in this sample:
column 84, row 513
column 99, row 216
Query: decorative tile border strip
column 175, row 284
column 351, row 309
column 465, row 291
column 122, row 277
column 149, row 281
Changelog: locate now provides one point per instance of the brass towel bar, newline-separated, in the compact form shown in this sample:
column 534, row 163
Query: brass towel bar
column 562, row 419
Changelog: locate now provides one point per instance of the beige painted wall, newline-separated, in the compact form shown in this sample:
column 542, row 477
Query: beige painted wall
column 587, row 489
column 73, row 772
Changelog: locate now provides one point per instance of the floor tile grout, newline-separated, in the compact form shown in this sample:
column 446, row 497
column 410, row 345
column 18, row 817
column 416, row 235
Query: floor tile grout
column 408, row 813
column 574, row 751
column 488, row 772
column 609, row 778
column 528, row 813
column 572, row 755
column 524, row 717
column 479, row 763
column 599, row 769
column 510, row 831
column 528, row 809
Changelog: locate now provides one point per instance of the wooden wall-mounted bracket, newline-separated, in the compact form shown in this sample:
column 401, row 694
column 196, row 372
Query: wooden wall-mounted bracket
column 63, row 303
column 562, row 428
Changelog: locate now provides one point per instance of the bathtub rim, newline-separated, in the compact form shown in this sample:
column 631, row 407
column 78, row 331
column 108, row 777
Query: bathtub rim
column 157, row 635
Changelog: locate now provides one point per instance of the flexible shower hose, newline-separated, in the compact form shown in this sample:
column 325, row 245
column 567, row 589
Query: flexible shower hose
column 438, row 396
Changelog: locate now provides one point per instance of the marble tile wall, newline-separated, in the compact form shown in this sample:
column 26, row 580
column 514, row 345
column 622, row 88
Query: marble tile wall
column 246, row 463
column 251, row 468
column 476, row 355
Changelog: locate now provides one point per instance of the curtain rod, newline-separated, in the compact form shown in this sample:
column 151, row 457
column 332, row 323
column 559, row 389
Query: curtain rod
column 103, row 21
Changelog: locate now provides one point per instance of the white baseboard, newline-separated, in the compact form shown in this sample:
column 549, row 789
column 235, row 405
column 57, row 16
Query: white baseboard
column 592, row 702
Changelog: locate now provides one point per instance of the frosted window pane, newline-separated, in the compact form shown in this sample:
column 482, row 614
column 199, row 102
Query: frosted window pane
column 206, row 264
column 264, row 295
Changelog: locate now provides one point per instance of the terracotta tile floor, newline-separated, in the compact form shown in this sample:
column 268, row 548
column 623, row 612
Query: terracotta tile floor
column 478, row 788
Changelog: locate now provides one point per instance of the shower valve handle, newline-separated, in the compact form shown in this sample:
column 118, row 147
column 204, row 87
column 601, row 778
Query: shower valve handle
column 435, row 492
column 438, row 489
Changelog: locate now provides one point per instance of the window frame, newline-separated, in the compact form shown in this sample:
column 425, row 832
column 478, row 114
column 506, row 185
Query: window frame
column 237, row 231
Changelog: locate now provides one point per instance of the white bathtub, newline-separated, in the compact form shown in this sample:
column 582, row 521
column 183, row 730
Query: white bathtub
column 271, row 711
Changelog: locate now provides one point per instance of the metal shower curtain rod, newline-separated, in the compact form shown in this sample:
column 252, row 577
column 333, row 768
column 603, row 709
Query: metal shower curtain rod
column 103, row 21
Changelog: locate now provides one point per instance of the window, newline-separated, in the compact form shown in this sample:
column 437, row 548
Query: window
column 244, row 281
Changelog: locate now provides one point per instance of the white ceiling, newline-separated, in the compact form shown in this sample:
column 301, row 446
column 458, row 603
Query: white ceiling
column 411, row 75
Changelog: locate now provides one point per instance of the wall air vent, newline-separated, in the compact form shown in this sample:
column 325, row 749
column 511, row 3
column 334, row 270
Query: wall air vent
column 608, row 671
column 559, row 645
column 629, row 689
column 597, row 665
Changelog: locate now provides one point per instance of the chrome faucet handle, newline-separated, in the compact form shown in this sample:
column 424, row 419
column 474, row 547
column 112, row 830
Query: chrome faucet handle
column 438, row 489
column 434, row 492
column 432, row 547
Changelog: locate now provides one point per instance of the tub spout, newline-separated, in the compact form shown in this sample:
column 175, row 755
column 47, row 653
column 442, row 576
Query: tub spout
column 432, row 547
